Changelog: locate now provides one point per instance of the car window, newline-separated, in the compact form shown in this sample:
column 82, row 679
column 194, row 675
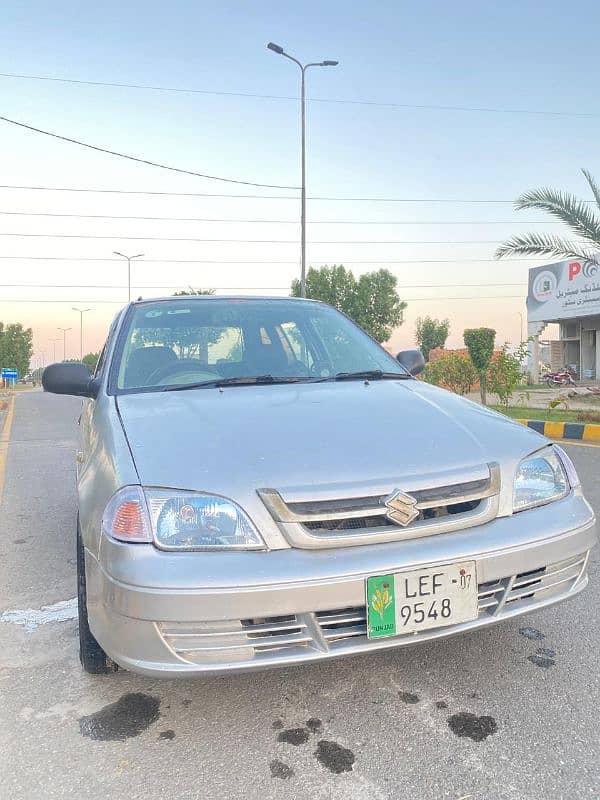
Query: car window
column 173, row 342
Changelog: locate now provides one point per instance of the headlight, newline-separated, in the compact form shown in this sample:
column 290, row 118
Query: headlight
column 179, row 520
column 540, row 479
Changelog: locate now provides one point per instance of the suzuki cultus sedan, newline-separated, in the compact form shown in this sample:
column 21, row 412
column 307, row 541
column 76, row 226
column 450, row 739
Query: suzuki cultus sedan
column 261, row 484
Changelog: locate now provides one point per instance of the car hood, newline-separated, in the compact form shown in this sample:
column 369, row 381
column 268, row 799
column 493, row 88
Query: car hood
column 309, row 440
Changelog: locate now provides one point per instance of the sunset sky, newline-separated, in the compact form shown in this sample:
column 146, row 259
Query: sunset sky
column 506, row 57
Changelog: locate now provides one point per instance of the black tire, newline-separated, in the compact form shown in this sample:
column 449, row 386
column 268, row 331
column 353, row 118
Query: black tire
column 93, row 658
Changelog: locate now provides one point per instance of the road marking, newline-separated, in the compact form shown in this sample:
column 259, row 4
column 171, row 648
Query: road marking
column 30, row 618
column 4, row 440
column 571, row 443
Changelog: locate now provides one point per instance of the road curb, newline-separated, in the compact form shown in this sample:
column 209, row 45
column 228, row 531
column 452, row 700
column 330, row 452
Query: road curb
column 583, row 431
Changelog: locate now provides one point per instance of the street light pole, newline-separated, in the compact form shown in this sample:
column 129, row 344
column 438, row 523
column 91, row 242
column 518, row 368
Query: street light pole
column 521, row 318
column 129, row 260
column 53, row 341
column 64, row 330
column 303, row 67
column 81, row 313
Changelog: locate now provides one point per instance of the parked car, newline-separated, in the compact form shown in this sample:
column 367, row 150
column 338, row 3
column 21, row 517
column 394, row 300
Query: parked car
column 261, row 484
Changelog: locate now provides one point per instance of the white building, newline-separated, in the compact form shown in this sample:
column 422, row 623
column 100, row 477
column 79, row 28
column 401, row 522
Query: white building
column 567, row 293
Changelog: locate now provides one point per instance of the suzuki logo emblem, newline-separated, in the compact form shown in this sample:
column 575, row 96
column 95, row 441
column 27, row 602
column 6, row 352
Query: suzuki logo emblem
column 402, row 508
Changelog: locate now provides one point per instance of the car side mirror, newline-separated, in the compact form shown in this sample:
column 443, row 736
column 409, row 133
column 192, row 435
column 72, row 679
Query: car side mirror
column 411, row 360
column 69, row 378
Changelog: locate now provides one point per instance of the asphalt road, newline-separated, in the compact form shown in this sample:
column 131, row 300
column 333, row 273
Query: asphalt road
column 386, row 716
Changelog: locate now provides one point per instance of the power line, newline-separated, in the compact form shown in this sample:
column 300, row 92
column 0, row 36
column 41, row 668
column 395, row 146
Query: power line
column 241, row 241
column 251, row 263
column 408, row 299
column 247, row 288
column 274, row 221
column 142, row 192
column 140, row 160
column 337, row 101
column 133, row 286
column 456, row 201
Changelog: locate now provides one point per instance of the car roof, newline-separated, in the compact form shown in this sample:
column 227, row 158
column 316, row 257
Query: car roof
column 208, row 297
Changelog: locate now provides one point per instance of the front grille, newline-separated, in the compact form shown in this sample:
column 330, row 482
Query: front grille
column 235, row 640
column 434, row 505
column 360, row 523
column 266, row 639
column 510, row 592
column 544, row 582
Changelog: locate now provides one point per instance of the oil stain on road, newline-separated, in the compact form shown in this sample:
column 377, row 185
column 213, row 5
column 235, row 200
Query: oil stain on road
column 472, row 726
column 129, row 716
column 334, row 757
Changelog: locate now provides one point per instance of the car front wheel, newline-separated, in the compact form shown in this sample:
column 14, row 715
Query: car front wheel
column 93, row 658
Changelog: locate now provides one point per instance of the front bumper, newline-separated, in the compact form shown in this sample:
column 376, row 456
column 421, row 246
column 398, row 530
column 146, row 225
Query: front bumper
column 168, row 614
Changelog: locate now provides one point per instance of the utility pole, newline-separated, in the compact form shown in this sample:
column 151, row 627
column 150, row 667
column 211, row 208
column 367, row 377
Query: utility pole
column 64, row 330
column 303, row 67
column 129, row 260
column 81, row 313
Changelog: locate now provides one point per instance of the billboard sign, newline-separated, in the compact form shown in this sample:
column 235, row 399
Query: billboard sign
column 563, row 290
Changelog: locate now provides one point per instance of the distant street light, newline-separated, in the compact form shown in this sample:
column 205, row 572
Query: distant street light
column 64, row 330
column 521, row 318
column 81, row 313
column 54, row 341
column 129, row 260
column 303, row 67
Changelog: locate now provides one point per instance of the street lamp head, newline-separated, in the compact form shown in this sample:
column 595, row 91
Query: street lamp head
column 275, row 48
column 137, row 255
column 329, row 63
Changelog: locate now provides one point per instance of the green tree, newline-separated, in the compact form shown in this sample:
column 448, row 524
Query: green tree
column 191, row 290
column 371, row 301
column 480, row 344
column 581, row 218
column 506, row 372
column 431, row 333
column 16, row 347
column 453, row 371
column 91, row 359
column 335, row 285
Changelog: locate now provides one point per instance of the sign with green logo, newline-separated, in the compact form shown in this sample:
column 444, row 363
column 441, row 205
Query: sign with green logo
column 381, row 606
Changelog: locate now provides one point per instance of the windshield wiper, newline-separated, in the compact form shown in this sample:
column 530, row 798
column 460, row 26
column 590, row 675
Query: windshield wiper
column 243, row 380
column 369, row 375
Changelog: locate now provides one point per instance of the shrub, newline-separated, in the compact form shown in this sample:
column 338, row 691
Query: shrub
column 453, row 371
column 505, row 372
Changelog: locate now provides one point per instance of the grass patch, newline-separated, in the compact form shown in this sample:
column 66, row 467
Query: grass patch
column 549, row 415
column 589, row 399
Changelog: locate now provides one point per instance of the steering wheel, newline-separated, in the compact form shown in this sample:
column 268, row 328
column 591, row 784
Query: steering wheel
column 320, row 369
column 181, row 371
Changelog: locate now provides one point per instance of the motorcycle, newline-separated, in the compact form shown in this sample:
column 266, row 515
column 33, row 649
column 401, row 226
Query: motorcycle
column 561, row 378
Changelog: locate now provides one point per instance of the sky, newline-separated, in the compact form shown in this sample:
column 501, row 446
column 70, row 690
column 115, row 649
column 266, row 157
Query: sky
column 515, row 58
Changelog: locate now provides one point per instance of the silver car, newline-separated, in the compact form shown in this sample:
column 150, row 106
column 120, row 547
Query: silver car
column 261, row 484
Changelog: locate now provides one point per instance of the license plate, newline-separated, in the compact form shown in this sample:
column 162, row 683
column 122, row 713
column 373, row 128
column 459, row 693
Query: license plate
column 409, row 602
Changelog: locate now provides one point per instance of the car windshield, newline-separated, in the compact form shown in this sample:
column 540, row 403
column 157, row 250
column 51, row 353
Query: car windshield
column 179, row 343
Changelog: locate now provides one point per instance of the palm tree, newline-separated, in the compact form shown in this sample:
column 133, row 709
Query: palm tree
column 580, row 215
